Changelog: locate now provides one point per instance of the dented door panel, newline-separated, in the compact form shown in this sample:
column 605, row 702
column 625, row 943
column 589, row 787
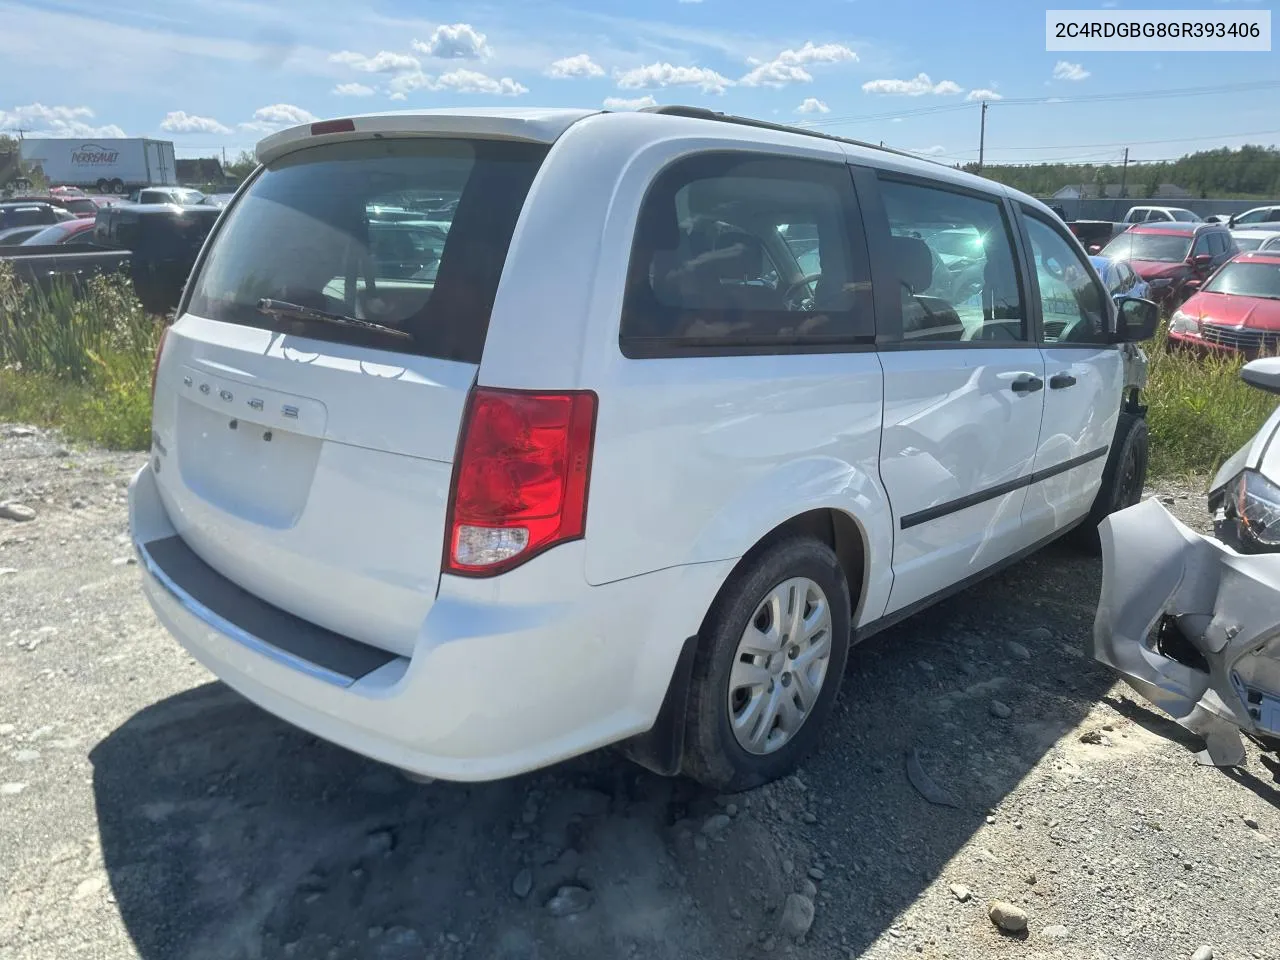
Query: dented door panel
column 1193, row 626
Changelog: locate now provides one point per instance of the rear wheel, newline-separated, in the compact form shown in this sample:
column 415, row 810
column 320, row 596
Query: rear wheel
column 103, row 185
column 117, row 186
column 1123, row 479
column 770, row 659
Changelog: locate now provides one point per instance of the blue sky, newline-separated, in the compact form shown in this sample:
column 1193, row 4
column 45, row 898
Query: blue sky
column 214, row 74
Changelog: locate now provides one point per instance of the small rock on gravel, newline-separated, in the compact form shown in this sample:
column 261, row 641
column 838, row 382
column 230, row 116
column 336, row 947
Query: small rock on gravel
column 16, row 512
column 809, row 888
column 960, row 892
column 1056, row 932
column 797, row 915
column 1006, row 916
column 808, row 817
column 716, row 824
column 569, row 900
column 817, row 873
column 1204, row 953
column 1017, row 650
column 1038, row 635
column 523, row 883
column 1001, row 710
column 1251, row 823
column 11, row 789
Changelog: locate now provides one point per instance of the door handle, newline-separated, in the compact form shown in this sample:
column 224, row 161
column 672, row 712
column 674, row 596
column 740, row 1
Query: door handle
column 1060, row 381
column 1027, row 384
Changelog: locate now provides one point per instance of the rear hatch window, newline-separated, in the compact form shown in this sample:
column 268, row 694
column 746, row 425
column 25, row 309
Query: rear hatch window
column 409, row 235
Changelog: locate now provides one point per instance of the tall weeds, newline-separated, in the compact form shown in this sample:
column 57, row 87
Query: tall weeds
column 80, row 358
column 1199, row 410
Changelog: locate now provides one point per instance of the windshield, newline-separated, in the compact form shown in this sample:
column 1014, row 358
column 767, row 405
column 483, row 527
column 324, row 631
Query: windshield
column 80, row 205
column 1164, row 247
column 411, row 234
column 1185, row 216
column 1248, row 243
column 1247, row 279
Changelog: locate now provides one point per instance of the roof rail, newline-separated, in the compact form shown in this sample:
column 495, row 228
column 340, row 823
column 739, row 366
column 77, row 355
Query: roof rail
column 702, row 113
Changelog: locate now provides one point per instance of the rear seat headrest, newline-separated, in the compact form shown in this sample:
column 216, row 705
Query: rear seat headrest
column 914, row 262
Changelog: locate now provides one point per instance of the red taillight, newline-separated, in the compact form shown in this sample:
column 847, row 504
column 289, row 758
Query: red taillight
column 155, row 365
column 520, row 480
column 332, row 126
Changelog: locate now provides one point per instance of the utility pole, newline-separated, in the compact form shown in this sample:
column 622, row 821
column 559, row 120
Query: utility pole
column 982, row 137
column 1124, row 170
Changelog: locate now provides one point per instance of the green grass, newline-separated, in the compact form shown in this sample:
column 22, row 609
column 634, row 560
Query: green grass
column 1199, row 411
column 83, row 363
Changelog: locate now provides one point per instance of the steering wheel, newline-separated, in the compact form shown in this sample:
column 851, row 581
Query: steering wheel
column 792, row 290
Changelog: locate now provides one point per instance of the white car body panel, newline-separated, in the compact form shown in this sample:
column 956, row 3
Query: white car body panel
column 338, row 517
column 1079, row 422
column 953, row 428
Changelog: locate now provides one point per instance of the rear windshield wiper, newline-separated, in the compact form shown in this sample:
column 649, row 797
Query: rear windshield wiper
column 283, row 308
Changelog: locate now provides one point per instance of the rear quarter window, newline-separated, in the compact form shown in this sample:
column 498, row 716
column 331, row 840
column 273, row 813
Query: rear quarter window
column 411, row 234
column 747, row 253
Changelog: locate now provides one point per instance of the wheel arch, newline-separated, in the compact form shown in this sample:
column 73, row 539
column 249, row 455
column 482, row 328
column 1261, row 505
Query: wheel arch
column 661, row 748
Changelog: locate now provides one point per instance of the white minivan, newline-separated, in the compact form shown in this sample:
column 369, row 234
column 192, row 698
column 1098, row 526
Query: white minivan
column 483, row 439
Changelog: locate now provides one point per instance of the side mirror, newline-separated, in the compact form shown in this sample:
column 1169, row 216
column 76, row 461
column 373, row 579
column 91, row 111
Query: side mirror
column 1201, row 260
column 1095, row 248
column 1263, row 374
column 1136, row 320
column 1191, row 286
column 1231, row 220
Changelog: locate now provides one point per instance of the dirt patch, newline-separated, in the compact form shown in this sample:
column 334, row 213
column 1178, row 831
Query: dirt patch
column 149, row 812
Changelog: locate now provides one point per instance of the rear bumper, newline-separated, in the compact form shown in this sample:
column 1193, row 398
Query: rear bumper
column 507, row 675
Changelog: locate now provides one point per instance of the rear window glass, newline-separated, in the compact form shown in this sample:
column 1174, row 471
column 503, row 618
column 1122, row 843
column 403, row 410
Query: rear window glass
column 408, row 234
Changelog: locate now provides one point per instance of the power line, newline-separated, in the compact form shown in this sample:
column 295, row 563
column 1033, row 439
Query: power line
column 1131, row 143
column 1081, row 98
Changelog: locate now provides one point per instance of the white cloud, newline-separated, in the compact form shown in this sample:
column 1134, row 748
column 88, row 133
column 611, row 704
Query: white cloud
column 789, row 65
column 580, row 66
column 983, row 93
column 472, row 81
column 813, row 105
column 917, row 86
column 666, row 75
column 932, row 151
column 352, row 90
column 384, row 61
column 622, row 103
column 457, row 41
column 278, row 115
column 457, row 81
column 37, row 120
column 1065, row 70
column 179, row 121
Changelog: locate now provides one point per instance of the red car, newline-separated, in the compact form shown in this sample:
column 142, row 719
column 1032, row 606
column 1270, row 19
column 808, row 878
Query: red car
column 78, row 232
column 1168, row 255
column 1238, row 310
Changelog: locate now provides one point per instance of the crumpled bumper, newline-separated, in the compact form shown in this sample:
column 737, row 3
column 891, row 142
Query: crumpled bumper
column 1169, row 592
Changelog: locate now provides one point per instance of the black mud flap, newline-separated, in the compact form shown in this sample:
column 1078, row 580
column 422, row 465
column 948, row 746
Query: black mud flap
column 661, row 747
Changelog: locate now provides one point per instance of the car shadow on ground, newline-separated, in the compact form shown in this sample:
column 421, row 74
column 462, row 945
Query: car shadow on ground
column 228, row 834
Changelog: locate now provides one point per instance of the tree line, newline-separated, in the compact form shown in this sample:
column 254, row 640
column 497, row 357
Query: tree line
column 1249, row 172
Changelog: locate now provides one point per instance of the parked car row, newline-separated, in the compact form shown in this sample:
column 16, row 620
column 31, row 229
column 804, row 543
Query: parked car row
column 155, row 244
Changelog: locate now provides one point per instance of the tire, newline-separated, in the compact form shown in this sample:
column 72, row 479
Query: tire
column 103, row 185
column 714, row 754
column 117, row 186
column 1122, row 480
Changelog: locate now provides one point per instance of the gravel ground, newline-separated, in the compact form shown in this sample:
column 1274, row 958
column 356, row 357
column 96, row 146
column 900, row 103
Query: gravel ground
column 147, row 811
